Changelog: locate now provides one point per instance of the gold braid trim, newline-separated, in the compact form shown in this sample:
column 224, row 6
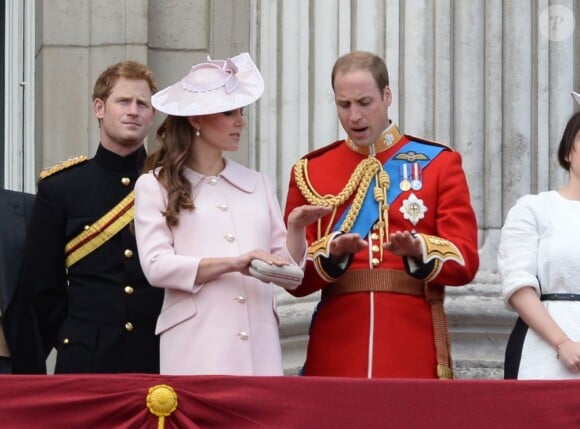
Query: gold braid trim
column 321, row 272
column 321, row 247
column 435, row 297
column 101, row 231
column 438, row 248
column 359, row 181
column 49, row 171
column 437, row 267
column 380, row 193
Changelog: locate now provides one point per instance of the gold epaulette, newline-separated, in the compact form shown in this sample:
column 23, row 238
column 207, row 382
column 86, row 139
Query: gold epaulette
column 49, row 171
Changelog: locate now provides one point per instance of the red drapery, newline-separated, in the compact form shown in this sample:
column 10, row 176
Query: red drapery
column 119, row 401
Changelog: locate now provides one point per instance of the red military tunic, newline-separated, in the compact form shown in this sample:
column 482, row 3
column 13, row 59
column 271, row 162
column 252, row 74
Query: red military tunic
column 375, row 333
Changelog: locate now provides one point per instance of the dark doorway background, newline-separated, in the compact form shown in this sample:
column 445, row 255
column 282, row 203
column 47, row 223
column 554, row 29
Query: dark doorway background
column 2, row 76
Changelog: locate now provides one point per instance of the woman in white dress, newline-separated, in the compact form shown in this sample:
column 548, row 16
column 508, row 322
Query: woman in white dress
column 539, row 263
column 202, row 221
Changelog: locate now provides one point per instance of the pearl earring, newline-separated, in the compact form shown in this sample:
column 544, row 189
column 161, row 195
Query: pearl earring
column 197, row 133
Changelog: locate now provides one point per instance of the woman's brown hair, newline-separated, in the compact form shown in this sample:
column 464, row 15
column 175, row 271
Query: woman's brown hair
column 175, row 134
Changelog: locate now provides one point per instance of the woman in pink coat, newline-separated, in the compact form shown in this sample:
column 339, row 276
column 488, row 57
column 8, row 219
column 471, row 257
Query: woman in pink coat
column 201, row 219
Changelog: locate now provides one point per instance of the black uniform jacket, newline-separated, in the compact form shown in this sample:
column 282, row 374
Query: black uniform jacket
column 15, row 210
column 100, row 314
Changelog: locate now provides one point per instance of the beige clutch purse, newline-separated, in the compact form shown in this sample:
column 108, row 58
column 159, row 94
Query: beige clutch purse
column 287, row 276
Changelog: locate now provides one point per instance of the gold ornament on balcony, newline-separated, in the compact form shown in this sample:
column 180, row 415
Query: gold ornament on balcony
column 161, row 401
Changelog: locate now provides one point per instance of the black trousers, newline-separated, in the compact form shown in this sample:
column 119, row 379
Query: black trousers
column 5, row 366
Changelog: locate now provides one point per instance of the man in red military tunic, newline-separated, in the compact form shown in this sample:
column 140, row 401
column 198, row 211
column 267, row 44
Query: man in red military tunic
column 402, row 228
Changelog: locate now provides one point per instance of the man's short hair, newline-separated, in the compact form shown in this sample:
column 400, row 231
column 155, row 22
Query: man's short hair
column 124, row 69
column 361, row 60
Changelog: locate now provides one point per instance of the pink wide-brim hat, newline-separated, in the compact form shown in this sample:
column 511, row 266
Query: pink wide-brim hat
column 212, row 87
column 576, row 96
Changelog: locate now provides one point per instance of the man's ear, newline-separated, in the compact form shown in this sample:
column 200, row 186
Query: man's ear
column 388, row 95
column 99, row 108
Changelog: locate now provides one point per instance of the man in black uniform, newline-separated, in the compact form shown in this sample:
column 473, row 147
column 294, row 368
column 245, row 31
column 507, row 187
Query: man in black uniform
column 83, row 290
column 15, row 209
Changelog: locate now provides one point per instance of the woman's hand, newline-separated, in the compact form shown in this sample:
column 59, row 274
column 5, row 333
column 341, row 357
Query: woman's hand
column 302, row 216
column 242, row 262
column 568, row 352
column 298, row 219
column 211, row 268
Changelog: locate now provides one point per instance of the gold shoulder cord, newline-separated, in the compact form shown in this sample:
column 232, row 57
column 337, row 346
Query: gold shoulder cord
column 359, row 181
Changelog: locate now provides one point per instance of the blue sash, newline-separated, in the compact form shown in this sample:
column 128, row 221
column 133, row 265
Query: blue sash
column 369, row 212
